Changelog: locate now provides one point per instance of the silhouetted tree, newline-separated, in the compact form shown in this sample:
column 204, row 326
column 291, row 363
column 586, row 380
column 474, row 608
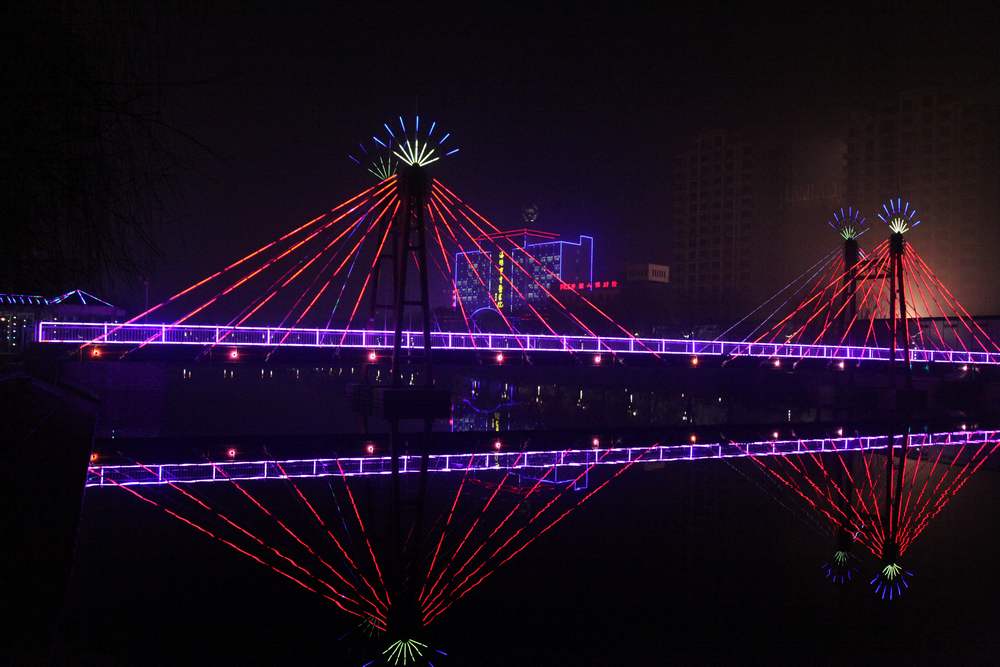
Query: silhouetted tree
column 85, row 154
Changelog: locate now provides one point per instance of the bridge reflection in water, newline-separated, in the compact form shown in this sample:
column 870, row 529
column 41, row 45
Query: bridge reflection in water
column 353, row 466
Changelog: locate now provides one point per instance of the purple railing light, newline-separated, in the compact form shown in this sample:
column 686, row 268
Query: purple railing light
column 102, row 333
column 353, row 466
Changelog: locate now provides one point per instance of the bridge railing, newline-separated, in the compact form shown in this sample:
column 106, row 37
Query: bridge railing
column 198, row 334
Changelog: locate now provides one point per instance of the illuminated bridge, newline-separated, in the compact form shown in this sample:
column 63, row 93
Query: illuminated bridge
column 326, row 283
column 132, row 335
column 330, row 282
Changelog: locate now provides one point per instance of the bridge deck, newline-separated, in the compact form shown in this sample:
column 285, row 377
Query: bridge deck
column 225, row 471
column 109, row 333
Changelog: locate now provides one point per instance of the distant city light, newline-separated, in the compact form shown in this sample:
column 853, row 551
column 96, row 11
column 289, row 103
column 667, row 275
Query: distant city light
column 234, row 354
column 693, row 438
column 370, row 448
column 499, row 357
column 231, row 452
column 497, row 445
column 94, row 457
column 694, row 361
column 597, row 359
column 776, row 363
column 372, row 355
column 96, row 352
column 595, row 442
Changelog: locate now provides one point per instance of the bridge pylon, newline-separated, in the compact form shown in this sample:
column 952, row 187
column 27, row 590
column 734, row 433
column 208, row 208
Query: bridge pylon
column 404, row 259
column 899, row 340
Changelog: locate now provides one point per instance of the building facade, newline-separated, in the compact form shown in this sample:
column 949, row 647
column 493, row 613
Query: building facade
column 749, row 211
column 645, row 272
column 521, row 267
column 21, row 313
column 940, row 152
column 713, row 208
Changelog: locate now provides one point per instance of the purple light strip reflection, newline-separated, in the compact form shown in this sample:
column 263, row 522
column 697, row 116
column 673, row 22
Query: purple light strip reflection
column 227, row 471
column 101, row 333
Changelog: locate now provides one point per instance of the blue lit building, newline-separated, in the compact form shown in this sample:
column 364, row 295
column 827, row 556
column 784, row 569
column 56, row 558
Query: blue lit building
column 535, row 262
column 20, row 313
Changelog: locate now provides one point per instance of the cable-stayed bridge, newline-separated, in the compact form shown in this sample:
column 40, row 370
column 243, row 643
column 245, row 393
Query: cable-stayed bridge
column 328, row 283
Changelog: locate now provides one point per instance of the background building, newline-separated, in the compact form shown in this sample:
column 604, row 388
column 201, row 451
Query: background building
column 644, row 301
column 749, row 211
column 20, row 313
column 749, row 206
column 713, row 209
column 645, row 272
column 941, row 152
column 483, row 278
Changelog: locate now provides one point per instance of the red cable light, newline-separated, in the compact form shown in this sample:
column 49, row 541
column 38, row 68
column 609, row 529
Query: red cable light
column 444, row 530
column 364, row 534
column 339, row 546
column 266, row 265
column 371, row 272
column 242, row 260
column 531, row 274
column 243, row 551
column 519, row 531
column 323, row 271
column 431, row 209
column 503, row 275
column 458, row 593
column 475, row 271
column 430, row 599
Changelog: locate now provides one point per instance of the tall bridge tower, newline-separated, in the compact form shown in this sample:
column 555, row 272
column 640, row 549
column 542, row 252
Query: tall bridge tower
column 400, row 282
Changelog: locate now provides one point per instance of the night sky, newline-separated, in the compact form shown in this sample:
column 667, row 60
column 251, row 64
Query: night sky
column 576, row 111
